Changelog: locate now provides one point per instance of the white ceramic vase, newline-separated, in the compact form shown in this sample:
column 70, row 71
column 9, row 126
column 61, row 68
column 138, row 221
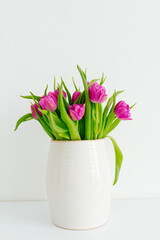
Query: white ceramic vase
column 79, row 184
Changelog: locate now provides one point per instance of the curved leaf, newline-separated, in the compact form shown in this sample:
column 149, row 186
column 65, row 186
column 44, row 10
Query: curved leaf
column 102, row 79
column 68, row 93
column 24, row 118
column 118, row 159
column 93, row 81
column 45, row 91
column 31, row 97
column 113, row 126
column 133, row 105
column 74, row 84
column 58, row 121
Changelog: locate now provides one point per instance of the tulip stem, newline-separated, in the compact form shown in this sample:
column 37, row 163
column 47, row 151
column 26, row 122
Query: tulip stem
column 97, row 120
column 88, row 106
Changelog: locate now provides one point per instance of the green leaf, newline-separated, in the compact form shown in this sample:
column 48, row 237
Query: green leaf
column 81, row 127
column 24, row 118
column 87, row 107
column 73, row 128
column 133, row 105
column 66, row 104
column 111, row 116
column 33, row 98
column 44, row 124
column 43, row 111
column 30, row 97
column 49, row 133
column 110, row 102
column 53, row 126
column 93, row 81
column 113, row 126
column 118, row 159
column 45, row 92
column 54, row 83
column 106, row 110
column 102, row 79
column 74, row 84
column 59, row 122
column 80, row 99
column 68, row 93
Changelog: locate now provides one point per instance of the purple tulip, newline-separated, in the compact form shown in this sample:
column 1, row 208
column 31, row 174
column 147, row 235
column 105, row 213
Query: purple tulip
column 122, row 111
column 56, row 94
column 75, row 95
column 76, row 111
column 33, row 111
column 48, row 102
column 97, row 93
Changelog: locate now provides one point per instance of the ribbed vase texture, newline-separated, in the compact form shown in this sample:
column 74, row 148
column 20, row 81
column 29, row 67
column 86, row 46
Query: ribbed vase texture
column 79, row 184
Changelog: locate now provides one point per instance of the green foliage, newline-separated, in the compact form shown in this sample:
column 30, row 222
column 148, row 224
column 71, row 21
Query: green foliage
column 96, row 123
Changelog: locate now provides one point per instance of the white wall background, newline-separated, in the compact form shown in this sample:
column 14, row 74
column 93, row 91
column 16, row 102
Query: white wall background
column 40, row 38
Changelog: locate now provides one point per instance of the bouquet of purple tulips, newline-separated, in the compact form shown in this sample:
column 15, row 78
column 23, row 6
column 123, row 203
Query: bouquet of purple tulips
column 80, row 116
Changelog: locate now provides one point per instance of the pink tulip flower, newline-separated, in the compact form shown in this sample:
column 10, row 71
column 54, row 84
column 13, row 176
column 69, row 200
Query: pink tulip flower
column 122, row 111
column 33, row 111
column 48, row 102
column 56, row 93
column 75, row 95
column 76, row 111
column 97, row 93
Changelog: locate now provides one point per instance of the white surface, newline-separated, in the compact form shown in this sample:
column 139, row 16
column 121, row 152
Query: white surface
column 79, row 183
column 40, row 38
column 130, row 219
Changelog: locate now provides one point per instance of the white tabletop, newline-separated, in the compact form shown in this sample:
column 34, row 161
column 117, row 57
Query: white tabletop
column 130, row 219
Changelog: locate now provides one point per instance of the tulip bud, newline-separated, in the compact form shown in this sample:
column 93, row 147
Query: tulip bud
column 97, row 93
column 122, row 111
column 48, row 102
column 76, row 111
column 33, row 111
column 75, row 95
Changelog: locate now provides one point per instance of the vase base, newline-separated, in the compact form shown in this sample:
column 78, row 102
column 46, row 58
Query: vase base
column 80, row 229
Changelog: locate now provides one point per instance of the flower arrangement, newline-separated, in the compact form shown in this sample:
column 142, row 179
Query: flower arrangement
column 80, row 116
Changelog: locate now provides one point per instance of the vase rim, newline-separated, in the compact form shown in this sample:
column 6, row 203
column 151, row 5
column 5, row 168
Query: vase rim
column 86, row 140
